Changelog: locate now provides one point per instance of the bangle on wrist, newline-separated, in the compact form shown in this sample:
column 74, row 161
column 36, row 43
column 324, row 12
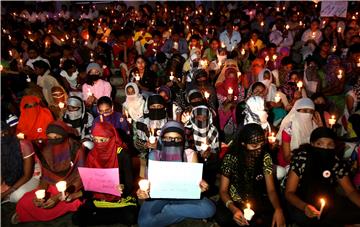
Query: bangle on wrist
column 227, row 204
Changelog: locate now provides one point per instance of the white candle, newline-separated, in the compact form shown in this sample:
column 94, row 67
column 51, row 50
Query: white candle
column 144, row 185
column 334, row 48
column 238, row 74
column 267, row 58
column 40, row 194
column 242, row 51
column 332, row 121
column 137, row 77
column 206, row 94
column 339, row 29
column 223, row 45
column 28, row 79
column 262, row 23
column 248, row 212
column 61, row 187
column 272, row 138
column 230, row 91
column 61, row 105
column 299, row 85
column 301, row 23
column 340, row 75
column 152, row 139
column 313, row 35
column 274, row 57
column 20, row 136
column 89, row 92
column 171, row 76
column 277, row 98
column 287, row 27
column 322, row 202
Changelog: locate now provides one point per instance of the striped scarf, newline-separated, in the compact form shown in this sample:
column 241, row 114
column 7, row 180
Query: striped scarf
column 204, row 132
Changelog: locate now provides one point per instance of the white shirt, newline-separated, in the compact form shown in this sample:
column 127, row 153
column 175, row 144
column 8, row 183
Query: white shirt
column 277, row 38
column 232, row 42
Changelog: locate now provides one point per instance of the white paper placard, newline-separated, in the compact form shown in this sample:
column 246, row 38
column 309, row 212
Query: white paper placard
column 333, row 8
column 175, row 180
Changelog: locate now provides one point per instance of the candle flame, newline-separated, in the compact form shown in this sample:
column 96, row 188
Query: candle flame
column 322, row 202
column 248, row 205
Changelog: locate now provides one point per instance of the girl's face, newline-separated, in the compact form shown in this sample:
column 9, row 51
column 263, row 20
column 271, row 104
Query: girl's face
column 140, row 64
column 130, row 91
column 294, row 78
column 325, row 143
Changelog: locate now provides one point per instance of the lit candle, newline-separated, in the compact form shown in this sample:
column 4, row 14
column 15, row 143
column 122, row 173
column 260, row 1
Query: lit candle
column 40, row 194
column 262, row 23
column 46, row 44
column 91, row 55
column 211, row 13
column 238, row 74
column 223, row 45
column 267, row 58
column 61, row 105
column 358, row 64
column 176, row 45
column 287, row 27
column 10, row 53
column 89, row 92
column 322, row 202
column 20, row 136
column 340, row 75
column 248, row 212
column 144, row 185
column 73, row 41
column 206, row 95
column 272, row 138
column 299, row 85
column 28, row 79
column 61, row 187
column 230, row 91
column 137, row 77
column 1, row 67
column 277, row 98
column 274, row 57
column 332, row 121
column 152, row 139
column 242, row 51
column 301, row 23
column 62, row 40
column 334, row 48
column 339, row 29
column 170, row 30
column 313, row 35
column 171, row 76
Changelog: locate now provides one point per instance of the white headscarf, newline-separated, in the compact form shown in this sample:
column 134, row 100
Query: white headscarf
column 255, row 112
column 301, row 123
column 134, row 104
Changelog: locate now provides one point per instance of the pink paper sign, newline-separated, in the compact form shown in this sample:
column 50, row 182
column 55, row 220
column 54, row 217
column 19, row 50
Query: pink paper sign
column 100, row 180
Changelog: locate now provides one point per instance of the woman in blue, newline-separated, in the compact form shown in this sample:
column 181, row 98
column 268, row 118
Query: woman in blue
column 164, row 212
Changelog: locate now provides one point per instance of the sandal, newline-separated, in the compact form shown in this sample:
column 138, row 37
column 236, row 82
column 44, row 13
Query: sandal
column 15, row 219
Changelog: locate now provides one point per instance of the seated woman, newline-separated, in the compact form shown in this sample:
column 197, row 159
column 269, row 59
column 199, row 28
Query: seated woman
column 17, row 166
column 60, row 159
column 247, row 177
column 109, row 152
column 34, row 118
column 315, row 173
column 295, row 129
column 164, row 212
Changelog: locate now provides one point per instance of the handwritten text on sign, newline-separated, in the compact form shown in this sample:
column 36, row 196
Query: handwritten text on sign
column 175, row 180
column 333, row 8
column 100, row 180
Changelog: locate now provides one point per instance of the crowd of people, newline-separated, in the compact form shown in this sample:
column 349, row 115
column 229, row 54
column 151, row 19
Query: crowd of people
column 264, row 94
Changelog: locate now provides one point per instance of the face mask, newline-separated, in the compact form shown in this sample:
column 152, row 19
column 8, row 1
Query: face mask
column 73, row 115
column 324, row 159
column 101, row 145
column 195, row 65
column 254, row 153
column 91, row 78
column 157, row 114
column 172, row 144
column 304, row 117
column 56, row 141
column 75, row 74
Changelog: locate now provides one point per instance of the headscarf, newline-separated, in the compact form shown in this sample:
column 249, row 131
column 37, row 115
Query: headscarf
column 255, row 112
column 229, row 63
column 266, row 82
column 204, row 131
column 193, row 94
column 168, row 104
column 78, row 118
column 33, row 121
column 156, row 114
column 11, row 157
column 171, row 150
column 105, row 155
column 61, row 158
column 301, row 123
column 229, row 82
column 134, row 104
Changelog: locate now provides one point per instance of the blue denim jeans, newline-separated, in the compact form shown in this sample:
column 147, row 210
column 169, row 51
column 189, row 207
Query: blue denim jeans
column 158, row 213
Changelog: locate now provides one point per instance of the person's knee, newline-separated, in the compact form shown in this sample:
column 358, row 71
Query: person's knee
column 144, row 219
column 207, row 208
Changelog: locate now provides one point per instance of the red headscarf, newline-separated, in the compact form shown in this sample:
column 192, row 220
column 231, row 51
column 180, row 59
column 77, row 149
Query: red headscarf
column 229, row 82
column 104, row 155
column 33, row 121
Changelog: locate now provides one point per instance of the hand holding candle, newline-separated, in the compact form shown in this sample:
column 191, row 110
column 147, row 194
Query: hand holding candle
column 144, row 186
column 206, row 95
column 171, row 76
column 20, row 136
column 267, row 58
column 340, row 75
column 248, row 212
column 61, row 187
column 332, row 121
column 40, row 194
column 272, row 138
column 61, row 105
column 230, row 91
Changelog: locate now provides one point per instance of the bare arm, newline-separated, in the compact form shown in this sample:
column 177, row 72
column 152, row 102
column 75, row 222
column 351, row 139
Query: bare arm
column 286, row 151
column 350, row 191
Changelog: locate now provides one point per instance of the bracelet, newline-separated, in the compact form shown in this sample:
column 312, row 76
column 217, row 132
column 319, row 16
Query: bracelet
column 227, row 204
